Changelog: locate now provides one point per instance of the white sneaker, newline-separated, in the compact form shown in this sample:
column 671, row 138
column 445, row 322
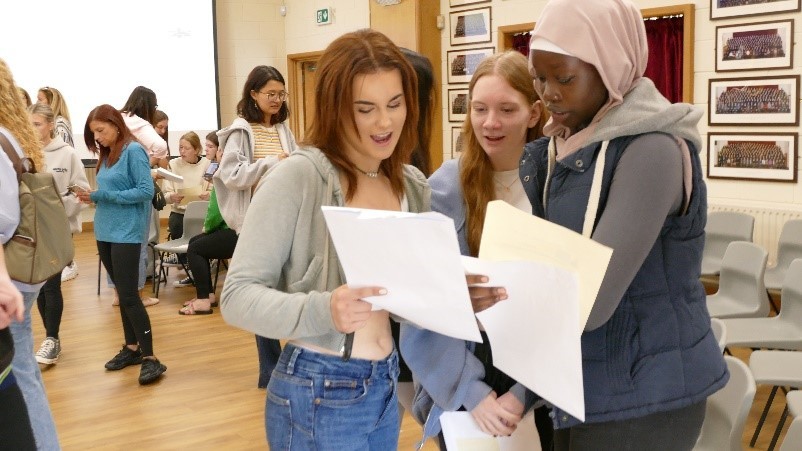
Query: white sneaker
column 69, row 272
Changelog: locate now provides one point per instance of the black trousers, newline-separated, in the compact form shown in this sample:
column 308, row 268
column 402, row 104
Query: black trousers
column 202, row 248
column 121, row 261
column 15, row 426
column 674, row 430
column 51, row 305
column 175, row 224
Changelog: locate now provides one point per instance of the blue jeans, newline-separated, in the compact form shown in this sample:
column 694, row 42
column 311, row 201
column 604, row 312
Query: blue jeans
column 320, row 402
column 29, row 379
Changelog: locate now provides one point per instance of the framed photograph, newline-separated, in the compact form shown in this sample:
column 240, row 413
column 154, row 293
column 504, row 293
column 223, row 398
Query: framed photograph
column 470, row 26
column 755, row 46
column 752, row 156
column 462, row 63
column 465, row 2
column 456, row 142
column 753, row 101
column 722, row 9
column 457, row 105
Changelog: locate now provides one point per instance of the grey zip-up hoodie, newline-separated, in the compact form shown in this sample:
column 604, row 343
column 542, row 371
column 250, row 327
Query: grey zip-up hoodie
column 285, row 266
column 239, row 172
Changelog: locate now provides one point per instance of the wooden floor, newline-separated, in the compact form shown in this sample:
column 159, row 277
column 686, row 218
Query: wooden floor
column 207, row 399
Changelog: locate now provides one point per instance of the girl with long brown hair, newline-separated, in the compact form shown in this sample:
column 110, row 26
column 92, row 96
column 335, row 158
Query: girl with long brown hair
column 284, row 280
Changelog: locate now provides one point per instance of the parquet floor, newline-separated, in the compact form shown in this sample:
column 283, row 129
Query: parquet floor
column 208, row 398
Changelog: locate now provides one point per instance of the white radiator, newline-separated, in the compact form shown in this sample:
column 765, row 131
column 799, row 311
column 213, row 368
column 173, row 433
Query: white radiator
column 768, row 225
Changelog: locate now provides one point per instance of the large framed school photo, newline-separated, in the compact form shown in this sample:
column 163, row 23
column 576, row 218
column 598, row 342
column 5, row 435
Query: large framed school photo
column 470, row 26
column 724, row 9
column 754, row 101
column 752, row 156
column 755, row 46
column 462, row 63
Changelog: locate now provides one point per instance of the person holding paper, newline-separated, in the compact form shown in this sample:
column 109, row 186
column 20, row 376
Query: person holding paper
column 339, row 368
column 621, row 165
column 256, row 141
column 504, row 113
column 191, row 166
column 124, row 190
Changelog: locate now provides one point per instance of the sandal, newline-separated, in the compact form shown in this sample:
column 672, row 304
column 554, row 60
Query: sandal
column 213, row 303
column 190, row 310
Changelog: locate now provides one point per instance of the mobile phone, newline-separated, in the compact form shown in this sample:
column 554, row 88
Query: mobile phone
column 210, row 170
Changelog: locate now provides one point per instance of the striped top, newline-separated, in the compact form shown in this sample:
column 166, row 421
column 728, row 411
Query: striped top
column 266, row 141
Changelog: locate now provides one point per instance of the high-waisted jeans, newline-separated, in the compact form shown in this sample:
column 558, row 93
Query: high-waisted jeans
column 320, row 402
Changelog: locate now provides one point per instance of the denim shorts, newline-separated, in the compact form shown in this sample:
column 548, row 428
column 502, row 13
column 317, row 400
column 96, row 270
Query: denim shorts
column 320, row 402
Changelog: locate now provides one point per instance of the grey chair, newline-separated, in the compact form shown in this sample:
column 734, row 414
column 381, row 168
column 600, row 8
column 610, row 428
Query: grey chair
column 194, row 216
column 720, row 332
column 793, row 438
column 724, row 227
column 779, row 369
column 727, row 409
column 741, row 292
column 783, row 331
column 789, row 247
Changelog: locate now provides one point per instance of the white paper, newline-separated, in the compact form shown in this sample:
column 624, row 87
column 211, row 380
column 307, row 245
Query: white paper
column 511, row 234
column 534, row 333
column 461, row 433
column 170, row 175
column 415, row 257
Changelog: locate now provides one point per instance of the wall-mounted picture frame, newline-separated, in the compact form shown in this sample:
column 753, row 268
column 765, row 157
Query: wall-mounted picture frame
column 755, row 46
column 462, row 63
column 470, row 26
column 752, row 156
column 456, row 142
column 457, row 105
column 756, row 101
column 453, row 3
column 725, row 9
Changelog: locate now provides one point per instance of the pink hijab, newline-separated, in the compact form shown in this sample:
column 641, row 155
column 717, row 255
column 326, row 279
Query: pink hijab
column 608, row 34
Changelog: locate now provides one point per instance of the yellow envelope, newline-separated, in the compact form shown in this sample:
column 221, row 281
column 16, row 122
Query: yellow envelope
column 190, row 194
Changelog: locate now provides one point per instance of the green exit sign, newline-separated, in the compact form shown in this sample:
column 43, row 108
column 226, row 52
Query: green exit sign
column 324, row 16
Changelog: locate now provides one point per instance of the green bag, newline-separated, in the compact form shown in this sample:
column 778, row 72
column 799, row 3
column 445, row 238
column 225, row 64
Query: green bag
column 42, row 244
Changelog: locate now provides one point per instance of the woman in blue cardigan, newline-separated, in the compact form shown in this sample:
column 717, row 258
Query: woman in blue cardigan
column 125, row 189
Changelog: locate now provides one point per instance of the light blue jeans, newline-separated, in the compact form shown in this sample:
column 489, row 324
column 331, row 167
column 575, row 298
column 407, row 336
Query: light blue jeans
column 29, row 379
column 320, row 402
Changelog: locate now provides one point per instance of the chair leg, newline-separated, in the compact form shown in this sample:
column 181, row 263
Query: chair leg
column 763, row 416
column 99, row 265
column 217, row 274
column 772, row 304
column 779, row 429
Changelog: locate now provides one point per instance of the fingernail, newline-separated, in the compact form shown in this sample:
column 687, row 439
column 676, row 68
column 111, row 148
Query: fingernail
column 483, row 279
column 383, row 291
column 501, row 291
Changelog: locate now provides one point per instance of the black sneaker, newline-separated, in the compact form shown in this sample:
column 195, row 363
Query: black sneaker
column 124, row 358
column 151, row 370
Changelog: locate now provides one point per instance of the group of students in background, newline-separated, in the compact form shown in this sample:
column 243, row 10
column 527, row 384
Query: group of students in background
column 575, row 135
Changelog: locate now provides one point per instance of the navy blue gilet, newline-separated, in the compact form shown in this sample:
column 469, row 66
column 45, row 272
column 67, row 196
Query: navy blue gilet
column 657, row 352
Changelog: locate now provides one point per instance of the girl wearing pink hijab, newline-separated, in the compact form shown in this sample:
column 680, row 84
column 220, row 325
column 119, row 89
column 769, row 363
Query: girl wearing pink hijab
column 620, row 164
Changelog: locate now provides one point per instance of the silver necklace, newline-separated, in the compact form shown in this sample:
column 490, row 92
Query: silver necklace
column 371, row 174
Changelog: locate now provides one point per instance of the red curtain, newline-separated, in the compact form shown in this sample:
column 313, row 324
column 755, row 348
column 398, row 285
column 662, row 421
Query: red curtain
column 520, row 42
column 665, row 55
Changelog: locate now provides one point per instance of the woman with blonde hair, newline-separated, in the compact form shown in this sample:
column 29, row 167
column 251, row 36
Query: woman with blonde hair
column 284, row 280
column 191, row 166
column 53, row 98
column 68, row 172
column 15, row 126
column 504, row 113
